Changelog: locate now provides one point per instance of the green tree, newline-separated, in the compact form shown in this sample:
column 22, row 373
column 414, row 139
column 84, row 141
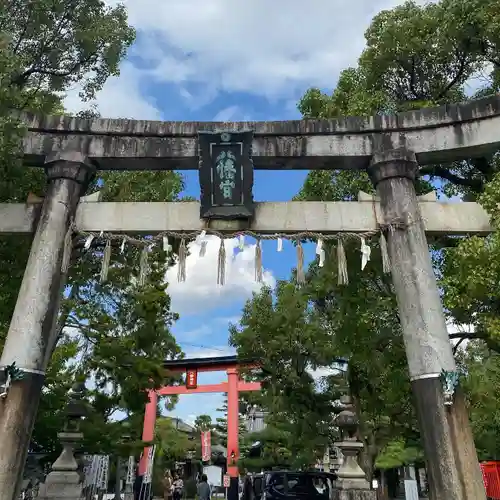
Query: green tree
column 419, row 56
column 402, row 68
column 221, row 429
column 173, row 444
column 48, row 48
column 481, row 375
column 59, row 379
column 278, row 329
column 272, row 443
column 415, row 57
column 470, row 277
column 203, row 423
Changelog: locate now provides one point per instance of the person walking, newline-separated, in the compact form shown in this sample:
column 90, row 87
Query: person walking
column 167, row 485
column 178, row 488
column 203, row 489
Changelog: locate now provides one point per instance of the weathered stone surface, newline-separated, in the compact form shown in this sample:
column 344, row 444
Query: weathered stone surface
column 354, row 495
column 425, row 334
column 434, row 134
column 284, row 217
column 33, row 324
column 61, row 486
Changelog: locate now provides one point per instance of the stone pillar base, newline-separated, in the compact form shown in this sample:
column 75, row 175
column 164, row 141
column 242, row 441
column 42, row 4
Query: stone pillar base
column 353, row 494
column 61, row 485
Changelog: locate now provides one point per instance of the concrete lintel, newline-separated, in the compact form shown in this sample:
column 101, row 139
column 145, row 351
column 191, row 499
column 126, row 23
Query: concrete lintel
column 270, row 217
column 430, row 196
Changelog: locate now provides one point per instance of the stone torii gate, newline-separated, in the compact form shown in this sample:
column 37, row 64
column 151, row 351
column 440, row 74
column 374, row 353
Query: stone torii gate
column 389, row 147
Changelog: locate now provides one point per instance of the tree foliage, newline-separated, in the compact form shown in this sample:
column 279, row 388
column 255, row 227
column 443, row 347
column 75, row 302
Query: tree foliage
column 51, row 45
column 203, row 423
column 481, row 369
column 274, row 450
column 470, row 277
column 118, row 333
column 173, row 444
column 416, row 56
column 220, row 429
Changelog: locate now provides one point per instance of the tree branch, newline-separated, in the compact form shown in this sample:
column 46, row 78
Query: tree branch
column 457, row 77
column 457, row 345
column 492, row 344
column 21, row 80
column 438, row 171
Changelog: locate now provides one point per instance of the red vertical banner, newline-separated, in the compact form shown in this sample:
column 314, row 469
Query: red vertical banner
column 191, row 379
column 206, row 446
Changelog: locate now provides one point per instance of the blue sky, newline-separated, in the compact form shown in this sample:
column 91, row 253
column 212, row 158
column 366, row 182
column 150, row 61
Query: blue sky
column 230, row 60
column 204, row 331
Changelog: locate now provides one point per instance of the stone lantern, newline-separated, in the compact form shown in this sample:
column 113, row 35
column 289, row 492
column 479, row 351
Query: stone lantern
column 351, row 483
column 64, row 482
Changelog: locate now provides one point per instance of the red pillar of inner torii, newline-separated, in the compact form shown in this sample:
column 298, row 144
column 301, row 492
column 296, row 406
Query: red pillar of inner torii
column 232, row 387
column 233, row 452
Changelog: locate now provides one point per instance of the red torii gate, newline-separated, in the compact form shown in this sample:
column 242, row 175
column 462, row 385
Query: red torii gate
column 232, row 387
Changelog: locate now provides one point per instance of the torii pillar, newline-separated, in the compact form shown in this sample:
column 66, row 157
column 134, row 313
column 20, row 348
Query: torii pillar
column 233, row 421
column 35, row 314
column 452, row 464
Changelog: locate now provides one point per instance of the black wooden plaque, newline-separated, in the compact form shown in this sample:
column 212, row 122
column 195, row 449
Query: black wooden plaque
column 226, row 175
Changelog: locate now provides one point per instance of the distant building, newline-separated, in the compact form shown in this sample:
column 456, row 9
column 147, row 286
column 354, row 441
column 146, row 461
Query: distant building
column 254, row 419
column 180, row 425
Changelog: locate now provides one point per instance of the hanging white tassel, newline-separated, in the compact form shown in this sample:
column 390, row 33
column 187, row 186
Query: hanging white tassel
column 203, row 243
column 106, row 258
column 343, row 277
column 258, row 262
column 301, row 277
column 241, row 242
column 221, row 263
column 203, row 248
column 320, row 252
column 122, row 246
column 181, row 269
column 386, row 262
column 143, row 266
column 365, row 253
column 88, row 242
column 166, row 244
column 280, row 245
column 67, row 250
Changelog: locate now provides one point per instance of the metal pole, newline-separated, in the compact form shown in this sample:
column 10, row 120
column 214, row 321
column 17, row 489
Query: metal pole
column 444, row 424
column 35, row 315
column 118, row 484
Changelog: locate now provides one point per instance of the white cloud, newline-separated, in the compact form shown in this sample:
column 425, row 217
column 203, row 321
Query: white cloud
column 121, row 97
column 231, row 114
column 272, row 49
column 192, row 405
column 261, row 47
column 209, row 352
column 200, row 292
column 226, row 114
column 454, row 328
